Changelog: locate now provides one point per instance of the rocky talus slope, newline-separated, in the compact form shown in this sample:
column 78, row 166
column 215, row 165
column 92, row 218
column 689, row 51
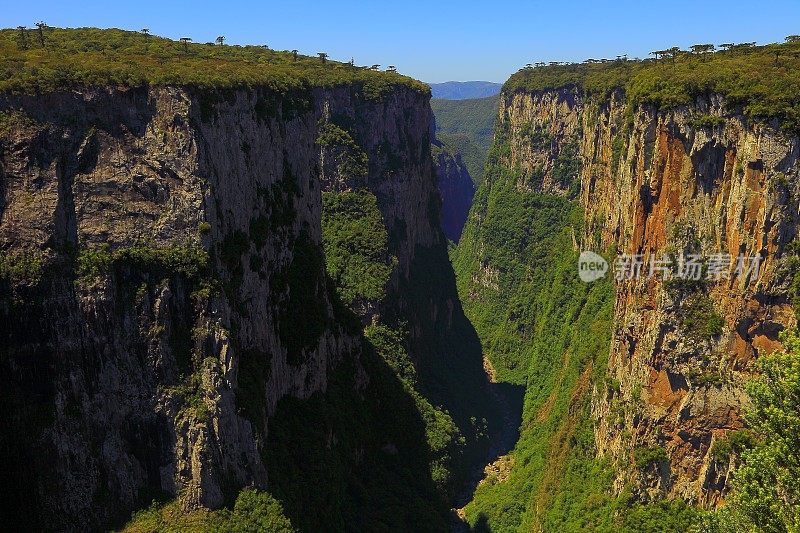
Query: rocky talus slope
column 165, row 285
column 697, row 179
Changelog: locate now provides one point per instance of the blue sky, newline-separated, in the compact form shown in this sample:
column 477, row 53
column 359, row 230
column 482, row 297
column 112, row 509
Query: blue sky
column 437, row 40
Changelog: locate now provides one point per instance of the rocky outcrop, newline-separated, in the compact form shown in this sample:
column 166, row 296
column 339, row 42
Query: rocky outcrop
column 456, row 189
column 699, row 180
column 164, row 285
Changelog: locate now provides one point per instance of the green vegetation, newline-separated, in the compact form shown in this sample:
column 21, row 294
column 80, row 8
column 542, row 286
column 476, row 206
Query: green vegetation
column 474, row 117
column 699, row 318
column 734, row 443
column 184, row 259
column 705, row 378
column 472, row 155
column 350, row 158
column 648, row 456
column 254, row 512
column 367, row 454
column 543, row 328
column 766, row 496
column 766, row 489
column 793, row 271
column 566, row 169
column 14, row 120
column 465, row 127
column 707, row 121
column 354, row 458
column 357, row 259
column 21, row 268
column 90, row 57
column 355, row 241
column 442, row 435
column 190, row 394
column 762, row 81
column 301, row 318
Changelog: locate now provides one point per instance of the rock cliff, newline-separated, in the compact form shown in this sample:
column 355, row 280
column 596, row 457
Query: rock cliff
column 164, row 287
column 456, row 188
column 697, row 180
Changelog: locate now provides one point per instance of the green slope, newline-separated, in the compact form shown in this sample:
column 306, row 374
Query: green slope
column 465, row 126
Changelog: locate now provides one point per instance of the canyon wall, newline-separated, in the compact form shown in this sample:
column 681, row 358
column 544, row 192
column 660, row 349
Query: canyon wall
column 456, row 189
column 164, row 285
column 699, row 180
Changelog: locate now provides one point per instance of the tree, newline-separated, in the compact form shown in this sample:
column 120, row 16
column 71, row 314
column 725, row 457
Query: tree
column 40, row 26
column 186, row 41
column 391, row 68
column 323, row 56
column 374, row 67
column 743, row 46
column 145, row 31
column 253, row 511
column 655, row 53
column 792, row 39
column 727, row 46
column 294, row 55
column 23, row 42
column 673, row 52
column 220, row 40
column 766, row 488
column 702, row 48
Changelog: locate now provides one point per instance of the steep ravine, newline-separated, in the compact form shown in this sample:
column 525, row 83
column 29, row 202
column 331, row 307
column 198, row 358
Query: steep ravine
column 167, row 293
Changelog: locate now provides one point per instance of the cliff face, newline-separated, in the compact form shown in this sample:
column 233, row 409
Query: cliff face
column 165, row 283
column 695, row 180
column 456, row 189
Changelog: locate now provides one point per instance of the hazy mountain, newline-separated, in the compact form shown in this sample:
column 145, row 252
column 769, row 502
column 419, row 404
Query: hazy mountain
column 461, row 90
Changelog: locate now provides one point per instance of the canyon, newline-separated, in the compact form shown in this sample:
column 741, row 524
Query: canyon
column 275, row 278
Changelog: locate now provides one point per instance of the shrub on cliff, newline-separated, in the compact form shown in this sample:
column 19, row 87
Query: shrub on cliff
column 254, row 512
column 766, row 485
column 766, row 495
column 356, row 246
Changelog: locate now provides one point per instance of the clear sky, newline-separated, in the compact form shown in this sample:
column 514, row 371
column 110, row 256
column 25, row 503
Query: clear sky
column 436, row 40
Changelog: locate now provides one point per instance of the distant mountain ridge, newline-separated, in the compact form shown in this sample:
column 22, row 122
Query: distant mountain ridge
column 462, row 90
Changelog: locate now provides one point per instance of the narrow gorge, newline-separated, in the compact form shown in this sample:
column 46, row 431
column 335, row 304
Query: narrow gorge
column 244, row 290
